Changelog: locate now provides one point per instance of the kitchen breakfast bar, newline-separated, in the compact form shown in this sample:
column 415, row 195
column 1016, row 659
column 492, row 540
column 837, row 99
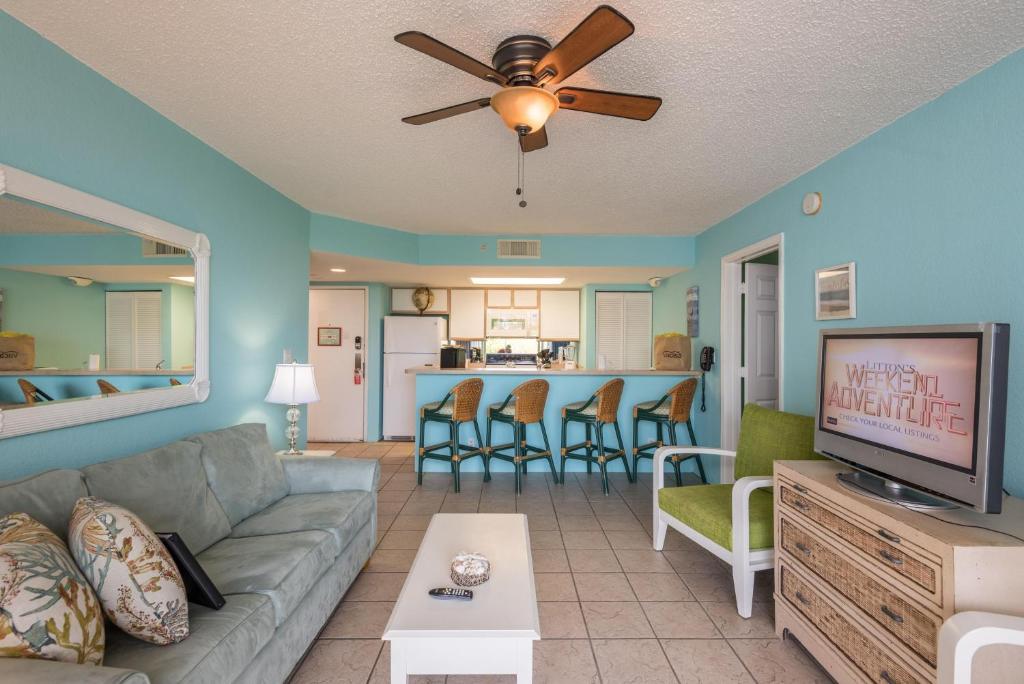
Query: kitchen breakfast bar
column 565, row 387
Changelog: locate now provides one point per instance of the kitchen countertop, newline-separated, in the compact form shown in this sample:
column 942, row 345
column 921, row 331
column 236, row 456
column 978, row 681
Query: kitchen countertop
column 531, row 370
column 112, row 372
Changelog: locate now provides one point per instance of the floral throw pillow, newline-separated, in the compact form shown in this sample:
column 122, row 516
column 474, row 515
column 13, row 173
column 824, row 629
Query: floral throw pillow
column 138, row 584
column 47, row 609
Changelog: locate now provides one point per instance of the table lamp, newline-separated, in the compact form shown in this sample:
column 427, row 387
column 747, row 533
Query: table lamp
column 293, row 384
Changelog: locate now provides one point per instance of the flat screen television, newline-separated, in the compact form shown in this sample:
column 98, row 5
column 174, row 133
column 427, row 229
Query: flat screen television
column 919, row 412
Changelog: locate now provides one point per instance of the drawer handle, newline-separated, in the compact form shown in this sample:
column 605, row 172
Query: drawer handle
column 891, row 558
column 892, row 615
column 800, row 488
column 802, row 548
column 801, row 505
column 884, row 676
column 888, row 536
column 803, row 599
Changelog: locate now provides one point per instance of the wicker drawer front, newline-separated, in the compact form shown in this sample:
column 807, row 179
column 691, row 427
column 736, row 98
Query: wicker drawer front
column 863, row 651
column 911, row 625
column 888, row 555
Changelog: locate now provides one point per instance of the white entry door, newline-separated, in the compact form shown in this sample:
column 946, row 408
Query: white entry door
column 340, row 415
column 761, row 333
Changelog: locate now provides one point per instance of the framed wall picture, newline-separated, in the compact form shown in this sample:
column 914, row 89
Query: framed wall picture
column 328, row 337
column 835, row 292
column 693, row 311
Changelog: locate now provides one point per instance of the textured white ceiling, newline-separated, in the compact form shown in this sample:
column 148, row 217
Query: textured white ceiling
column 307, row 94
column 157, row 273
column 17, row 217
column 360, row 270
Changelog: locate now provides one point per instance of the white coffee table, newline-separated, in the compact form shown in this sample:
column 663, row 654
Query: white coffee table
column 493, row 633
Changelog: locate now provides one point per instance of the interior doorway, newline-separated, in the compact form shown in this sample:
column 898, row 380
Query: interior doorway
column 751, row 358
column 337, row 350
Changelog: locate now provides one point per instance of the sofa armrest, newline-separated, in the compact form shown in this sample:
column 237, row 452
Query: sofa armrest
column 741, row 491
column 315, row 474
column 964, row 634
column 37, row 671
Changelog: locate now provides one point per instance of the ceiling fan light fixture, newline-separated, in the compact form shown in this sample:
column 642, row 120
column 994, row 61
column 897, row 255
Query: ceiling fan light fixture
column 524, row 107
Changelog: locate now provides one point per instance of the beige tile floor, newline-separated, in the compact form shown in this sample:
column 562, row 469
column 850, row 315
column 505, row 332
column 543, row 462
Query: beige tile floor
column 612, row 610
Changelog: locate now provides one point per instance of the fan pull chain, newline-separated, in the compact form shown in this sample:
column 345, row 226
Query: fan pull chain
column 521, row 171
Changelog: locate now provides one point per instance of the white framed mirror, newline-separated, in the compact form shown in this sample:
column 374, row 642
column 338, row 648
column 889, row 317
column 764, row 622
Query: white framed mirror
column 104, row 310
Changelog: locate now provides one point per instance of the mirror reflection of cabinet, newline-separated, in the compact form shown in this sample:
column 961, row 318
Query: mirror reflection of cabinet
column 98, row 300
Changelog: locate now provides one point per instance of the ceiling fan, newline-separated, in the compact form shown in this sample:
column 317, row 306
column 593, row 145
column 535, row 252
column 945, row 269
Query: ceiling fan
column 525, row 66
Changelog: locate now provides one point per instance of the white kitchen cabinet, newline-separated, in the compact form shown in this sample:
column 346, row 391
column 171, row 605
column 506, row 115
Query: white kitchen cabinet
column 524, row 299
column 499, row 299
column 560, row 314
column 466, row 315
column 401, row 300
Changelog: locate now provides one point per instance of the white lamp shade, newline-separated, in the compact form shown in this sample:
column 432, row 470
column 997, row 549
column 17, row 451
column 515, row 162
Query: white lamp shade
column 293, row 384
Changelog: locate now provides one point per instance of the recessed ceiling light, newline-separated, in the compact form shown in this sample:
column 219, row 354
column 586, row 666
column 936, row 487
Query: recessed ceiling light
column 337, row 270
column 517, row 281
column 184, row 279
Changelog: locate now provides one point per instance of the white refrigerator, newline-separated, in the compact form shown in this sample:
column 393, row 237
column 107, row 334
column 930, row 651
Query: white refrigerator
column 409, row 341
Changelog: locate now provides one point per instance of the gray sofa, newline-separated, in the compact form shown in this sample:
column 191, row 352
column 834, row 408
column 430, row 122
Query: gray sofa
column 281, row 538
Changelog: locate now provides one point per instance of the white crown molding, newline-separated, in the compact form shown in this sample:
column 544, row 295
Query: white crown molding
column 60, row 414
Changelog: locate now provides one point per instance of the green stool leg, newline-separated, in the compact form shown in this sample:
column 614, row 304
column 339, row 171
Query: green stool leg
column 487, row 452
column 603, row 464
column 565, row 425
column 517, row 450
column 454, row 431
column 589, row 449
column 625, row 459
column 636, row 446
column 547, row 448
column 419, row 471
column 675, row 461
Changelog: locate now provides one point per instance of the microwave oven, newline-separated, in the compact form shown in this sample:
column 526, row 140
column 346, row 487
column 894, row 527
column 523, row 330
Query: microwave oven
column 513, row 322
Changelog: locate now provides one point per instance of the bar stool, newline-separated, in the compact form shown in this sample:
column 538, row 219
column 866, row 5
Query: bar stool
column 459, row 406
column 32, row 393
column 107, row 388
column 601, row 409
column 667, row 412
column 523, row 406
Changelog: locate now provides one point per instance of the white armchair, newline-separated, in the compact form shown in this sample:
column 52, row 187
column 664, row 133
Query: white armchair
column 744, row 560
column 964, row 634
column 733, row 520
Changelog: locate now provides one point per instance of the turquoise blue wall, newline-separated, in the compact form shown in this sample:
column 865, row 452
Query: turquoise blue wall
column 931, row 210
column 26, row 250
column 67, row 329
column 331, row 234
column 62, row 121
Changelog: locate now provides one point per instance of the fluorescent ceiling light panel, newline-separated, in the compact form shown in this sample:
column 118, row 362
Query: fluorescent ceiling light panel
column 517, row 281
column 337, row 270
column 184, row 279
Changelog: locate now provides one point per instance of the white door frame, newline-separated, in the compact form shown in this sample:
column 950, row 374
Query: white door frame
column 367, row 364
column 731, row 331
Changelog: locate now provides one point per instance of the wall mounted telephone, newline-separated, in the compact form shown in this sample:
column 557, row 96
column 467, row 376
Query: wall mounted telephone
column 707, row 360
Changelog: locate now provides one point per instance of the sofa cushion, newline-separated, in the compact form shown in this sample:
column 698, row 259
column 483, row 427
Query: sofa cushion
column 282, row 566
column 133, row 574
column 340, row 513
column 242, row 469
column 220, row 646
column 708, row 510
column 167, row 489
column 47, row 497
column 47, row 609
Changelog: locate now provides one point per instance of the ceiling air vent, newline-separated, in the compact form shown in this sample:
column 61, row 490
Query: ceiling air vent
column 154, row 248
column 519, row 249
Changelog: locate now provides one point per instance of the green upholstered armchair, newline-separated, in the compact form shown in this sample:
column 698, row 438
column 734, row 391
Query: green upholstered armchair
column 734, row 520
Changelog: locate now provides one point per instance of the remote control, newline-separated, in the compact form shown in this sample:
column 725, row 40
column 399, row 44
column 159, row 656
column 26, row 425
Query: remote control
column 450, row 593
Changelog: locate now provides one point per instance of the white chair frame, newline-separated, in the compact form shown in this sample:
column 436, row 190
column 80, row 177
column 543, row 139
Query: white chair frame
column 964, row 634
column 744, row 560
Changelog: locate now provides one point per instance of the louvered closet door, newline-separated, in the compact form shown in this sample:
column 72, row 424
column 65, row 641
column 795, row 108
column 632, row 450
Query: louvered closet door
column 134, row 330
column 636, row 333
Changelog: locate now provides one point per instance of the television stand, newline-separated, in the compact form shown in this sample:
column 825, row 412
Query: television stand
column 886, row 490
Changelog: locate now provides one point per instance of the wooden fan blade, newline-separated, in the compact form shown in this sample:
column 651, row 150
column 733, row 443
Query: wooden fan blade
column 597, row 34
column 454, row 110
column 641, row 107
column 438, row 50
column 534, row 141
